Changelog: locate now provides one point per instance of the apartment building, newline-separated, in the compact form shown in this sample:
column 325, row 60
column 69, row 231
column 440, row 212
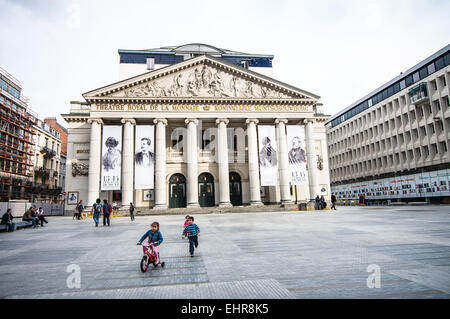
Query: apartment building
column 16, row 141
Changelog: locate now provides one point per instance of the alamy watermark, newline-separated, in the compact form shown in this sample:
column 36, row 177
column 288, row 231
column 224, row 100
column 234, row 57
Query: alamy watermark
column 74, row 279
column 374, row 279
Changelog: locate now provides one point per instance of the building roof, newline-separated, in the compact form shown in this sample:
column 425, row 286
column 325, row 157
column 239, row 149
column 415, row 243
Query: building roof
column 195, row 48
column 394, row 80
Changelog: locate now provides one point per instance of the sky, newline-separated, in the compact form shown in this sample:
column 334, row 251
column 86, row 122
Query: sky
column 340, row 50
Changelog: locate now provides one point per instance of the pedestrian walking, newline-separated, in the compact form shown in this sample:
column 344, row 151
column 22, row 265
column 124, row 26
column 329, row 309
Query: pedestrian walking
column 7, row 219
column 96, row 210
column 186, row 222
column 107, row 210
column 193, row 232
column 41, row 217
column 132, row 211
column 79, row 209
column 333, row 201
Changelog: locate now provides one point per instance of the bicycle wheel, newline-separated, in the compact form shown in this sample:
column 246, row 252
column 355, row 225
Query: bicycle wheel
column 144, row 264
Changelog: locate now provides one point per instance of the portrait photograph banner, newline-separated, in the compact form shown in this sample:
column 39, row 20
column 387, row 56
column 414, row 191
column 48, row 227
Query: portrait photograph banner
column 144, row 157
column 111, row 157
column 296, row 154
column 268, row 165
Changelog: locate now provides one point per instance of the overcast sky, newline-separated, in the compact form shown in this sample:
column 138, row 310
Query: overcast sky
column 340, row 50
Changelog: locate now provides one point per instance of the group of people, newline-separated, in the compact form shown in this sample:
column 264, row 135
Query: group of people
column 190, row 230
column 322, row 204
column 36, row 217
column 98, row 208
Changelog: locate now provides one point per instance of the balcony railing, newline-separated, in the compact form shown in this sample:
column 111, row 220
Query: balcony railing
column 47, row 152
column 418, row 93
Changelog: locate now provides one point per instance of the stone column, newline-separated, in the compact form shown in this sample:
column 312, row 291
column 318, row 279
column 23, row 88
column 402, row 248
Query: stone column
column 191, row 149
column 94, row 160
column 311, row 160
column 283, row 162
column 253, row 163
column 127, row 162
column 160, row 164
column 222, row 163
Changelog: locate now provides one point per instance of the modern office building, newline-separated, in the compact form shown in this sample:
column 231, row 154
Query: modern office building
column 195, row 125
column 393, row 144
column 16, row 141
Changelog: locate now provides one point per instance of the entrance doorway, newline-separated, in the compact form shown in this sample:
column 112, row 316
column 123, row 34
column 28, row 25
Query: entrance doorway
column 206, row 190
column 235, row 189
column 177, row 191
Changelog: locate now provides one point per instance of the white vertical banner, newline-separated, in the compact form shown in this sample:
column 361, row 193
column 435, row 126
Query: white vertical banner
column 267, row 155
column 111, row 157
column 296, row 154
column 144, row 158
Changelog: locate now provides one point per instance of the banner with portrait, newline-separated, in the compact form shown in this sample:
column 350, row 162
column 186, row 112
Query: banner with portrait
column 111, row 157
column 144, row 157
column 268, row 161
column 297, row 154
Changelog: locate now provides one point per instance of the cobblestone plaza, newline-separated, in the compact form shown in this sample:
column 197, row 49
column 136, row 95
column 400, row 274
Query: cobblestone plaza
column 268, row 255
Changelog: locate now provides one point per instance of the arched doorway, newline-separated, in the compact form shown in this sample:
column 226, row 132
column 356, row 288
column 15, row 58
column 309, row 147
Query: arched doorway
column 206, row 190
column 177, row 191
column 235, row 189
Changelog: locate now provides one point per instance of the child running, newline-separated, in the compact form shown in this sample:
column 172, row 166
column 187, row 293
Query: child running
column 186, row 222
column 192, row 231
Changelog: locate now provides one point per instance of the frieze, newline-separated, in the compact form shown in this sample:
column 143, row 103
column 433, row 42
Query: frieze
column 126, row 107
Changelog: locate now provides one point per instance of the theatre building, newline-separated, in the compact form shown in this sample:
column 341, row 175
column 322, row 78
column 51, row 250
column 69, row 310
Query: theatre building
column 194, row 126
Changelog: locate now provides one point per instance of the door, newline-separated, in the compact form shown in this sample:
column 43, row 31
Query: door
column 177, row 191
column 206, row 190
column 235, row 189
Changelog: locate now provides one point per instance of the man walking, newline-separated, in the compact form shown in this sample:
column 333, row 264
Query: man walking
column 333, row 201
column 107, row 209
column 132, row 211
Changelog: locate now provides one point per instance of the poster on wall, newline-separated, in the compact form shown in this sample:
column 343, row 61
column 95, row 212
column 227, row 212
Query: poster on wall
column 268, row 155
column 144, row 157
column 296, row 154
column 111, row 157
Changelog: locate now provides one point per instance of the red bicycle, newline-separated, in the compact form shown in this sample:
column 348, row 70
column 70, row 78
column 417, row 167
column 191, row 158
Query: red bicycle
column 151, row 256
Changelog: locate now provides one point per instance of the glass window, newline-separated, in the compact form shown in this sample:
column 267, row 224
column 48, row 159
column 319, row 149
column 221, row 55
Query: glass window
column 439, row 63
column 431, row 68
column 447, row 59
column 423, row 73
column 416, row 77
column 409, row 80
column 402, row 84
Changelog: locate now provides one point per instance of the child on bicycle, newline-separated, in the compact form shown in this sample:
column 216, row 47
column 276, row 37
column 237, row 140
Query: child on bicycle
column 192, row 231
column 154, row 235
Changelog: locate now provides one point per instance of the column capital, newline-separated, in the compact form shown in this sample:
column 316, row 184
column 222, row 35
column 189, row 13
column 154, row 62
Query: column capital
column 278, row 121
column 251, row 120
column 220, row 120
column 98, row 121
column 306, row 121
column 132, row 121
column 160, row 120
column 187, row 121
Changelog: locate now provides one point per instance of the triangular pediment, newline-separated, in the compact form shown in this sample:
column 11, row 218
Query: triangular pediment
column 201, row 77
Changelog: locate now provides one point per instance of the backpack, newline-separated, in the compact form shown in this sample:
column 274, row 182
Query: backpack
column 98, row 208
column 109, row 208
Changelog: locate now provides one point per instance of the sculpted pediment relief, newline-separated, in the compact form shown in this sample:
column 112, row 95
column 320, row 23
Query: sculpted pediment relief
column 202, row 81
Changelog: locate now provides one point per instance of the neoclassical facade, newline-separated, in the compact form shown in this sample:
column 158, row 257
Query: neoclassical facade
column 205, row 113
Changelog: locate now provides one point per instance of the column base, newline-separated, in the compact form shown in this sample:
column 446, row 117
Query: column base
column 225, row 205
column 286, row 203
column 127, row 207
column 160, row 207
column 193, row 205
column 311, row 204
column 255, row 204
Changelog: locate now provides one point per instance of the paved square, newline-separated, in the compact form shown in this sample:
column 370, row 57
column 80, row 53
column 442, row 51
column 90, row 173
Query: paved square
column 321, row 254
